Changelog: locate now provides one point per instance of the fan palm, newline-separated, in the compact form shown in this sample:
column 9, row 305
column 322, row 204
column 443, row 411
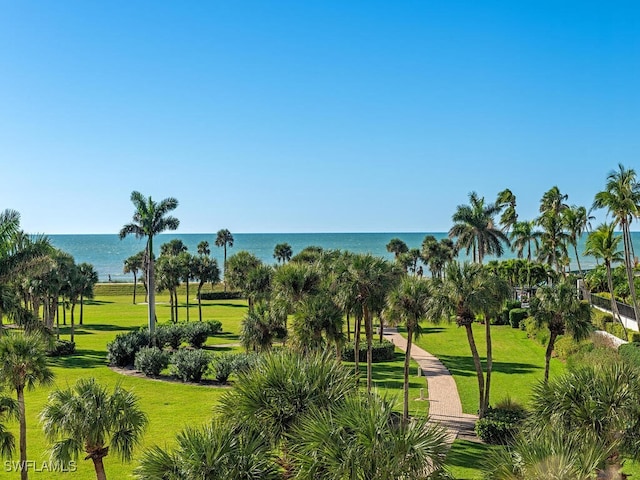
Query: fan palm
column 282, row 252
column 475, row 229
column 150, row 219
column 559, row 309
column 397, row 247
column 23, row 363
column 621, row 197
column 205, row 270
column 409, row 304
column 133, row 265
column 86, row 418
column 224, row 239
column 8, row 410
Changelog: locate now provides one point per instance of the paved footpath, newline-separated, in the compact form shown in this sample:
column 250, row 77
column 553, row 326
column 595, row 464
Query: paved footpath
column 444, row 401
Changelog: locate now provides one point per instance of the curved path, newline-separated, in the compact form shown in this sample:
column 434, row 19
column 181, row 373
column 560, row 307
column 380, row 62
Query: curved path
column 444, row 402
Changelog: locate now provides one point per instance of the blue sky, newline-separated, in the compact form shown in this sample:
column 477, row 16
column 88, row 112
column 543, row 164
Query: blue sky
column 278, row 116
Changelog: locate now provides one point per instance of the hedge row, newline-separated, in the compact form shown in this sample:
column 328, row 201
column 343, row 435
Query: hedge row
column 382, row 352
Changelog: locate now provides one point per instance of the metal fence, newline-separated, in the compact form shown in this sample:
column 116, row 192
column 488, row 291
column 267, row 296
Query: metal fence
column 604, row 303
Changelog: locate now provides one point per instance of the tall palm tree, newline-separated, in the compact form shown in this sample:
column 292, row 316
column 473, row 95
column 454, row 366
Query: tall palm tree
column 224, row 239
column 576, row 221
column 602, row 243
column 8, row 410
column 203, row 248
column 523, row 235
column 475, row 228
column 559, row 309
column 205, row 270
column 133, row 265
column 506, row 201
column 282, row 252
column 409, row 303
column 86, row 418
column 88, row 279
column 150, row 219
column 554, row 238
column 467, row 290
column 621, row 197
column 23, row 363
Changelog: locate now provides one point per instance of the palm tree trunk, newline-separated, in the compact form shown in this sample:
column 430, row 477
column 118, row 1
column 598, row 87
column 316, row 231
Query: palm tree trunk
column 135, row 284
column 24, row 475
column 356, row 346
column 73, row 322
column 348, row 329
column 187, row 300
column 547, row 356
column 152, row 293
column 487, row 384
column 478, row 366
column 575, row 248
column 81, row 309
column 614, row 304
column 368, row 328
column 381, row 328
column 199, row 301
column 627, row 260
column 224, row 278
column 407, row 360
column 99, row 467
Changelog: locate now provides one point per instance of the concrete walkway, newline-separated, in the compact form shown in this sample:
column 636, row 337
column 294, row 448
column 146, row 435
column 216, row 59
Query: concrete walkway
column 444, row 402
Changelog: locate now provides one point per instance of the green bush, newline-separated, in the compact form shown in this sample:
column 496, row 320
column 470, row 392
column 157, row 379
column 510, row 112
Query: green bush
column 501, row 318
column 511, row 304
column 634, row 337
column 540, row 334
column 600, row 319
column 500, row 425
column 215, row 327
column 630, row 353
column 190, row 365
column 171, row 335
column 615, row 329
column 196, row 333
column 382, row 352
column 151, row 361
column 566, row 346
column 62, row 348
column 516, row 315
column 122, row 351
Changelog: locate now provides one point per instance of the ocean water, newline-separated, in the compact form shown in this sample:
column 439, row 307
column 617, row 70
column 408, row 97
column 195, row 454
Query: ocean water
column 107, row 252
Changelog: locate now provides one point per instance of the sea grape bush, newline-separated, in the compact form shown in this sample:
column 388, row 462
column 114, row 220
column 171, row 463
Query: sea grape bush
column 151, row 361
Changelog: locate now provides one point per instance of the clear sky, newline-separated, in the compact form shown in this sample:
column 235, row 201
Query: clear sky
column 310, row 116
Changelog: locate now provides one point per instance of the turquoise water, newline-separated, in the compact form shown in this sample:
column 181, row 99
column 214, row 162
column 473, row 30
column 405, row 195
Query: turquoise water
column 107, row 252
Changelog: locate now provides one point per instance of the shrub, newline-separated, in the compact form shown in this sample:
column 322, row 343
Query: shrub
column 502, row 318
column 382, row 352
column 634, row 337
column 223, row 366
column 566, row 346
column 615, row 329
column 214, row 327
column 171, row 334
column 516, row 315
column 220, row 295
column 62, row 348
column 630, row 353
column 511, row 304
column 196, row 333
column 190, row 365
column 151, row 361
column 601, row 319
column 122, row 351
column 500, row 425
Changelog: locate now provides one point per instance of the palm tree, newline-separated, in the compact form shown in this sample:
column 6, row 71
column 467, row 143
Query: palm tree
column 576, row 221
column 217, row 451
column 259, row 327
column 475, row 229
column 224, row 239
column 314, row 316
column 150, row 219
column 88, row 280
column 8, row 411
column 554, row 238
column 133, row 264
column 205, row 270
column 203, row 248
column 467, row 290
column 282, row 252
column 602, row 243
column 86, row 418
column 359, row 438
column 559, row 309
column 506, row 201
column 368, row 279
column 621, row 197
column 597, row 403
column 523, row 235
column 409, row 304
column 397, row 247
column 23, row 363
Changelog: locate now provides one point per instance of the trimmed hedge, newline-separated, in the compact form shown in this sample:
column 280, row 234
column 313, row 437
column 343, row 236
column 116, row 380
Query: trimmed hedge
column 215, row 326
column 516, row 315
column 220, row 295
column 500, row 426
column 382, row 352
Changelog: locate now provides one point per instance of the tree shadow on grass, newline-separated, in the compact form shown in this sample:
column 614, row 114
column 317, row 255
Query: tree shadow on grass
column 464, row 366
column 468, row 454
column 82, row 358
column 390, row 374
column 231, row 305
column 96, row 302
column 216, row 348
column 106, row 327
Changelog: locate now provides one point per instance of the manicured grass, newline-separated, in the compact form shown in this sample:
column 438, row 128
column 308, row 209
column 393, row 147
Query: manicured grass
column 465, row 458
column 518, row 363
